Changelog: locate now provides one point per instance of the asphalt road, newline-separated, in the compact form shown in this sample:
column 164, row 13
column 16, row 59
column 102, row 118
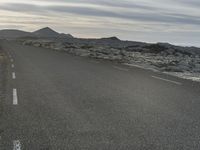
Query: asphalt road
column 55, row 101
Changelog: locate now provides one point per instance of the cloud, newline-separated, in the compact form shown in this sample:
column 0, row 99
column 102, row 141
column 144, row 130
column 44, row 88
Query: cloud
column 20, row 7
column 145, row 15
column 159, row 17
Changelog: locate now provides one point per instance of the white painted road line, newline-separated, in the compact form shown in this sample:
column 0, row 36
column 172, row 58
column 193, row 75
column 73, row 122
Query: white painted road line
column 178, row 83
column 16, row 145
column 15, row 100
column 119, row 68
column 13, row 75
column 12, row 65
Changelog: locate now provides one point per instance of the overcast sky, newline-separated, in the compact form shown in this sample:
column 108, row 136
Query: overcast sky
column 174, row 21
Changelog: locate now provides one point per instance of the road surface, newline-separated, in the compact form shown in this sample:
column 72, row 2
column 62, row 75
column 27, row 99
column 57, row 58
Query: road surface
column 55, row 101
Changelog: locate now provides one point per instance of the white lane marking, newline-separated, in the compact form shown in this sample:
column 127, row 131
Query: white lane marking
column 13, row 75
column 16, row 145
column 178, row 83
column 15, row 100
column 12, row 65
column 119, row 68
column 11, row 60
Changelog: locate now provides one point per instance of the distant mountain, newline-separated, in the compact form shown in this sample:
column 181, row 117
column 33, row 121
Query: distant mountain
column 63, row 35
column 46, row 32
column 49, row 33
column 41, row 33
column 111, row 38
column 7, row 33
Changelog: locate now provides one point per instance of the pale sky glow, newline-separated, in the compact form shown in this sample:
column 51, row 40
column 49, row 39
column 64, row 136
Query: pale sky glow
column 174, row 21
